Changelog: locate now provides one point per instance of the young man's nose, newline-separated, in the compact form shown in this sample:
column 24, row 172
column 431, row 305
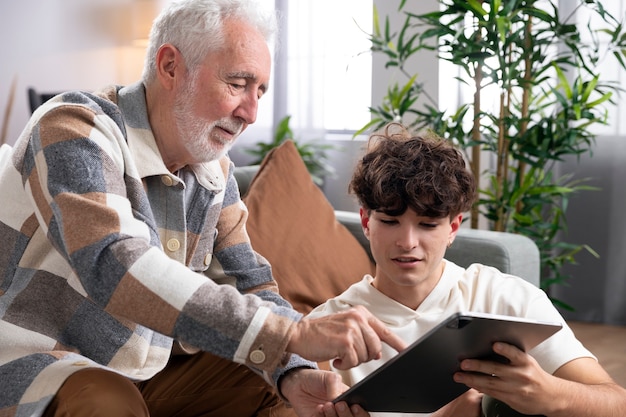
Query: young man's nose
column 407, row 238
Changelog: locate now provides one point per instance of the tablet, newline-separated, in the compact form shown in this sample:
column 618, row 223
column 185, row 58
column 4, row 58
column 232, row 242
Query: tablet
column 420, row 378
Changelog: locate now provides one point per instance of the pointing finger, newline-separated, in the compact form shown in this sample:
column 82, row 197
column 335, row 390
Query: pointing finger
column 387, row 335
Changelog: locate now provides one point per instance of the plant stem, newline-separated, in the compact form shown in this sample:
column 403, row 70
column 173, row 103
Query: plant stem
column 500, row 173
column 525, row 112
column 475, row 162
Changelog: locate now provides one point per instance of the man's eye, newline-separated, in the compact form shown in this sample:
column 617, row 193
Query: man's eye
column 237, row 86
column 388, row 221
column 429, row 225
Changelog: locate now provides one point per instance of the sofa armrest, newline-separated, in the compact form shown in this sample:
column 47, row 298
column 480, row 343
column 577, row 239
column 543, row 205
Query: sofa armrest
column 510, row 253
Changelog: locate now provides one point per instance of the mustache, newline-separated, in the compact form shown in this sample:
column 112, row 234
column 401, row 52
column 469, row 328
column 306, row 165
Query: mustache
column 234, row 127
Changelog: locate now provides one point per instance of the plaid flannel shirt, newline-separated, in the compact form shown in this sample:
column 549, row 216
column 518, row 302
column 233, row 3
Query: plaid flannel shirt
column 107, row 257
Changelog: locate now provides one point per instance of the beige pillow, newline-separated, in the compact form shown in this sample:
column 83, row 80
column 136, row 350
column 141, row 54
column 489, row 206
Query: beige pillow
column 293, row 225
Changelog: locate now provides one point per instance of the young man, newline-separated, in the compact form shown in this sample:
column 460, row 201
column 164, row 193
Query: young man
column 120, row 213
column 413, row 191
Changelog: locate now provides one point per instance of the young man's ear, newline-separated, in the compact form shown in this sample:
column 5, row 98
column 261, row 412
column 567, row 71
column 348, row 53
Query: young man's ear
column 365, row 220
column 455, row 225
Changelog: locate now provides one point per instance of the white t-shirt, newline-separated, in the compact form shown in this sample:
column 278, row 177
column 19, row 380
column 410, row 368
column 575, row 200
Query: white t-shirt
column 478, row 288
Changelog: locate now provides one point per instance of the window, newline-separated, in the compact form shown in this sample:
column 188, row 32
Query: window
column 329, row 65
column 322, row 72
column 610, row 68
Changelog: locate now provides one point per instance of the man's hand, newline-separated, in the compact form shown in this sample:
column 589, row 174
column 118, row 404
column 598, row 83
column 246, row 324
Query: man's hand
column 311, row 391
column 348, row 338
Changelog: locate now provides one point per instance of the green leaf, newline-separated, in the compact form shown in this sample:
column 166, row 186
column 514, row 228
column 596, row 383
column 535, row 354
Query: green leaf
column 590, row 87
column 283, row 131
column 376, row 22
column 605, row 97
column 563, row 81
column 373, row 122
column 502, row 25
column 476, row 8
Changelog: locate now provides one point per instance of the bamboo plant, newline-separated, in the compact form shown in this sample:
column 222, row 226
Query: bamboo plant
column 551, row 97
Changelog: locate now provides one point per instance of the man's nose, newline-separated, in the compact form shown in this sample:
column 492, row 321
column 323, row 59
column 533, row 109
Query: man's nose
column 248, row 108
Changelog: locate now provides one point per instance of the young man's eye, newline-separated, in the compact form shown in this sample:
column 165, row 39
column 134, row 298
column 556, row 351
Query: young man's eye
column 388, row 221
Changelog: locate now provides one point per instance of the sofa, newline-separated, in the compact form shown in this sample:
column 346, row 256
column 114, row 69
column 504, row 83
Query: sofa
column 316, row 251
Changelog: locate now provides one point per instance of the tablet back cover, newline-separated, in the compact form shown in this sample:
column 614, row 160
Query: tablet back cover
column 420, row 378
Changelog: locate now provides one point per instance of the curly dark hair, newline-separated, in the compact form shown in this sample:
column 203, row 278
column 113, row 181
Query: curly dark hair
column 425, row 173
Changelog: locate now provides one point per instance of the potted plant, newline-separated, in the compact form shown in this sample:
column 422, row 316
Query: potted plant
column 551, row 95
column 313, row 153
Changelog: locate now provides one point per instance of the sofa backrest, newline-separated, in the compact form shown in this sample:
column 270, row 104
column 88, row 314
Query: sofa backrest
column 510, row 253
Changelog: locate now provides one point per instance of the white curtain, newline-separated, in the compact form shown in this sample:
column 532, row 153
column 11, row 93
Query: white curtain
column 328, row 64
column 322, row 72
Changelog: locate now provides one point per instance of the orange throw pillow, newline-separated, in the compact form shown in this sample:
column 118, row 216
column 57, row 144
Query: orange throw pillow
column 292, row 224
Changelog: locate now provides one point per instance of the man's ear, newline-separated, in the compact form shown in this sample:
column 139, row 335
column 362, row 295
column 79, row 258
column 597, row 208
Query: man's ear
column 169, row 65
column 365, row 220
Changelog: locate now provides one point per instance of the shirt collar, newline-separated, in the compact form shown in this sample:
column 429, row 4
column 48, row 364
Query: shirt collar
column 143, row 147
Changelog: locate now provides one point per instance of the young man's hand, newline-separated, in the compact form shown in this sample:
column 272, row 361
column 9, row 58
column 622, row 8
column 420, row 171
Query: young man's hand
column 581, row 387
column 506, row 381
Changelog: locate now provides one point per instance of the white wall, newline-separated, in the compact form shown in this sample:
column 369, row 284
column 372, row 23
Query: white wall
column 55, row 45
column 597, row 285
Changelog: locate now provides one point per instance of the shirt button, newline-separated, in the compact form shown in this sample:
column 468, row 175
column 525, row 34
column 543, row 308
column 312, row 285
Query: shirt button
column 167, row 180
column 207, row 259
column 173, row 245
column 257, row 356
column 81, row 363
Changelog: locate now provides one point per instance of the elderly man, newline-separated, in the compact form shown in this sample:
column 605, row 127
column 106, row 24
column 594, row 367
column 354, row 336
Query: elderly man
column 124, row 218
